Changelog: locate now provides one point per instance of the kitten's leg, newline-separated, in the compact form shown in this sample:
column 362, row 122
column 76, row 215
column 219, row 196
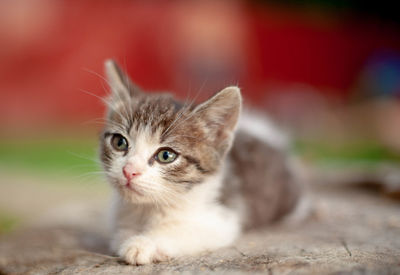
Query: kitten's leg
column 187, row 235
column 135, row 248
column 140, row 249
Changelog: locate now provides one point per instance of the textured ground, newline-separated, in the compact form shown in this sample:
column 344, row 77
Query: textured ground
column 352, row 230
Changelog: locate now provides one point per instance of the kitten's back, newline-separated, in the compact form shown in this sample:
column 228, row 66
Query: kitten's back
column 260, row 181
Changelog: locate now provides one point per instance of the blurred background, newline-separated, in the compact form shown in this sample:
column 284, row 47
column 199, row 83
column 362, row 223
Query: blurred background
column 328, row 73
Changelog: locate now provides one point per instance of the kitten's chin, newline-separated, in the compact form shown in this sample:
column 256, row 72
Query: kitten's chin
column 132, row 196
column 127, row 188
column 130, row 193
column 132, row 188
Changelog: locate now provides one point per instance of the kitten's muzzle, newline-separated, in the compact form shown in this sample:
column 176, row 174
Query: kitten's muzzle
column 130, row 172
column 132, row 188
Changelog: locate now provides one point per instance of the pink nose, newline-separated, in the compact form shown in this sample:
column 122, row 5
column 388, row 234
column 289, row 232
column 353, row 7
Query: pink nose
column 129, row 171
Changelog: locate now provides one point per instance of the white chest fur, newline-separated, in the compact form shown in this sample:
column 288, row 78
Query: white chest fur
column 194, row 224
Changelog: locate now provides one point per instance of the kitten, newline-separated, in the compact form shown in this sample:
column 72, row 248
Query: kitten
column 180, row 186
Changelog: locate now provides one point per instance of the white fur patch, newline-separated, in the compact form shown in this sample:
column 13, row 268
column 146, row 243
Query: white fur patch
column 262, row 128
column 200, row 223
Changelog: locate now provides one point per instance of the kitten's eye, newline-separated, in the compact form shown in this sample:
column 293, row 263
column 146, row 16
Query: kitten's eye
column 166, row 155
column 119, row 143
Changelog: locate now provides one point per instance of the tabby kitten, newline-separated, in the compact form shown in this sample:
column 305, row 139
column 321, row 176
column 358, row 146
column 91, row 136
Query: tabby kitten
column 180, row 186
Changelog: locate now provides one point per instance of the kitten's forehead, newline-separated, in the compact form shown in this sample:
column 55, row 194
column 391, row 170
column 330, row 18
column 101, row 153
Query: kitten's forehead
column 144, row 141
column 151, row 114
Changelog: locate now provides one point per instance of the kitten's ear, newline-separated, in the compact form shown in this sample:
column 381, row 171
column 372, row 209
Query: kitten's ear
column 221, row 114
column 120, row 83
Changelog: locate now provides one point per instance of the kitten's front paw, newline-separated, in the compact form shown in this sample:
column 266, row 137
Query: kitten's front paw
column 139, row 250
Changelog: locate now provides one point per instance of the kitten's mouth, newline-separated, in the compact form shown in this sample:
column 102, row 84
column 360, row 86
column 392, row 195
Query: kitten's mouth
column 132, row 188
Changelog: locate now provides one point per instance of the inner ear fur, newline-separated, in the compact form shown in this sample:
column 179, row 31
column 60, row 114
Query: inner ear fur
column 221, row 114
column 121, row 85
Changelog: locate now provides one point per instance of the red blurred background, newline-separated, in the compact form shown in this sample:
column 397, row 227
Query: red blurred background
column 52, row 50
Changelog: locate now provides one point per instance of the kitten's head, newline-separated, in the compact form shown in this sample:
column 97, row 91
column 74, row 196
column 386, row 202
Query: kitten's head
column 155, row 149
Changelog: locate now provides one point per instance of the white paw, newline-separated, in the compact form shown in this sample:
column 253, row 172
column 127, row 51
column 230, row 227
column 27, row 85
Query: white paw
column 140, row 250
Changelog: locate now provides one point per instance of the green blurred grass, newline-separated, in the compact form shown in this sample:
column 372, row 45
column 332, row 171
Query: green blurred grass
column 50, row 156
column 359, row 153
column 73, row 160
column 8, row 222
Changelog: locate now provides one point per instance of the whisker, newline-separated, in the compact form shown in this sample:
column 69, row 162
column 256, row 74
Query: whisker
column 88, row 175
column 103, row 121
column 106, row 102
column 92, row 159
column 130, row 88
column 185, row 108
column 190, row 114
column 97, row 74
column 170, row 197
column 105, row 89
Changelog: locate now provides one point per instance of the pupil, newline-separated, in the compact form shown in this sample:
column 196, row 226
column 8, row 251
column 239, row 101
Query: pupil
column 120, row 142
column 165, row 155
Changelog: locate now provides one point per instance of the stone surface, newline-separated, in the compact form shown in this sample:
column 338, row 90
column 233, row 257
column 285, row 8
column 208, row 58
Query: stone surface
column 350, row 231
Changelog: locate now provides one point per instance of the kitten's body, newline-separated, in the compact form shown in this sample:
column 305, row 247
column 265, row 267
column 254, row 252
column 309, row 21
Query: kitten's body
column 203, row 198
column 261, row 174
